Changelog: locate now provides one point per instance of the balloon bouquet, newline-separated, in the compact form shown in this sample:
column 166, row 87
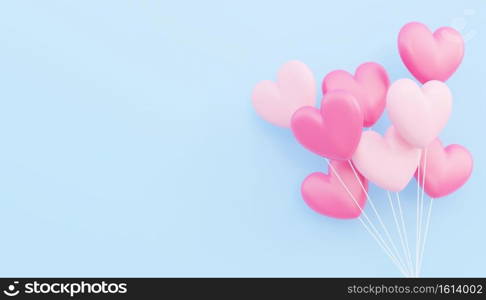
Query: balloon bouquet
column 409, row 148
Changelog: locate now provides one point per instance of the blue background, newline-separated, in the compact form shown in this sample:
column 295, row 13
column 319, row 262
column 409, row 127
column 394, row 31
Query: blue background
column 129, row 146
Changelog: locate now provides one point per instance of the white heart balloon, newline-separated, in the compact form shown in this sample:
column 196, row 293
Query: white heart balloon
column 388, row 161
column 419, row 113
column 277, row 101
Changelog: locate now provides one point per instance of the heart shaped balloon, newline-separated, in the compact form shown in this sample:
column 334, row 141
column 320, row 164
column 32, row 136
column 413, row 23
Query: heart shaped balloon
column 325, row 193
column 368, row 86
column 430, row 56
column 445, row 169
column 334, row 130
column 387, row 161
column 419, row 114
column 277, row 101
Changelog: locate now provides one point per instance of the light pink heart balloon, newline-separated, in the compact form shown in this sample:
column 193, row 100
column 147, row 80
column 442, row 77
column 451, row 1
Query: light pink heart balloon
column 419, row 114
column 387, row 161
column 368, row 86
column 430, row 56
column 325, row 194
column 334, row 130
column 276, row 102
column 446, row 169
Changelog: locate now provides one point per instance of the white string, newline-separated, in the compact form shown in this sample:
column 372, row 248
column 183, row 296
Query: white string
column 418, row 213
column 395, row 261
column 375, row 235
column 405, row 233
column 399, row 232
column 425, row 237
column 376, row 212
column 420, row 237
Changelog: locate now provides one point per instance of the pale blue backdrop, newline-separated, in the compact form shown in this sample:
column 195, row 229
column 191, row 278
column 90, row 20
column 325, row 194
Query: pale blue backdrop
column 129, row 147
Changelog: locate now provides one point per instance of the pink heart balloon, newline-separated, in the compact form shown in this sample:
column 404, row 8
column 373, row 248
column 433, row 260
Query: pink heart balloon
column 387, row 161
column 446, row 169
column 276, row 102
column 430, row 56
column 368, row 86
column 334, row 130
column 325, row 194
column 419, row 114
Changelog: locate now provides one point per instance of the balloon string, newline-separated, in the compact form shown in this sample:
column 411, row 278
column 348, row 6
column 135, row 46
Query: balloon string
column 417, row 215
column 426, row 234
column 387, row 233
column 399, row 230
column 375, row 234
column 405, row 233
column 383, row 247
column 421, row 212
